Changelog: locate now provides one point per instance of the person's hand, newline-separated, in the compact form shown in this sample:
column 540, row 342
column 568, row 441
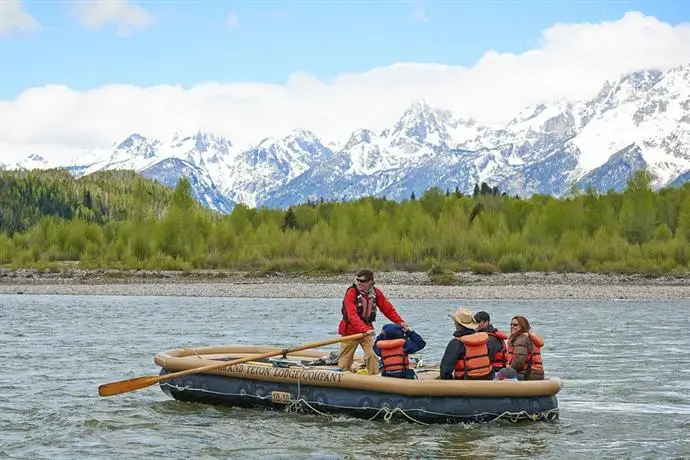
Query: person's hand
column 404, row 326
column 370, row 332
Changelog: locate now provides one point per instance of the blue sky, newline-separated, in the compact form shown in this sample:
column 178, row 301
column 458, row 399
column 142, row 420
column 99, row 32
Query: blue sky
column 65, row 65
column 189, row 42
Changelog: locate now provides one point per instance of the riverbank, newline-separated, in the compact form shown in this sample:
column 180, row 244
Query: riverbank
column 396, row 285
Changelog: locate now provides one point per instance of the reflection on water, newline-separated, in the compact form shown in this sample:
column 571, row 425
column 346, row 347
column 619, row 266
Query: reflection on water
column 626, row 381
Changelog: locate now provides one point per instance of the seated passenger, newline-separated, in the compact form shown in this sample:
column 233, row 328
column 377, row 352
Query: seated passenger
column 393, row 345
column 524, row 352
column 497, row 340
column 467, row 354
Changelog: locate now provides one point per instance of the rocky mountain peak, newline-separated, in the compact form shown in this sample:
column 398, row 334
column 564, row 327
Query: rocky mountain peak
column 421, row 124
column 131, row 141
column 359, row 136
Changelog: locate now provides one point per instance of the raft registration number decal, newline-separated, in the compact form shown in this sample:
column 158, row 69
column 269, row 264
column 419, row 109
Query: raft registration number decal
column 281, row 397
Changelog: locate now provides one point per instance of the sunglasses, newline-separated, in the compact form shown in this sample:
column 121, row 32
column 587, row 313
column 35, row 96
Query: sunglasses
column 362, row 280
column 514, row 325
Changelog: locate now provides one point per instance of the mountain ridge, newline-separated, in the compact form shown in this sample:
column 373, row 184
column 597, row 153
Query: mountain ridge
column 641, row 120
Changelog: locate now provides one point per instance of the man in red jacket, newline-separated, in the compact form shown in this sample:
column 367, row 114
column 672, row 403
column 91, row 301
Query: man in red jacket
column 360, row 303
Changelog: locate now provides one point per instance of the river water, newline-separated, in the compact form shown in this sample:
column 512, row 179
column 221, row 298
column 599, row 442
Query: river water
column 626, row 380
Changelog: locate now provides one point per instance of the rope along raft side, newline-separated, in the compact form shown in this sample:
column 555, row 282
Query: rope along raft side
column 324, row 390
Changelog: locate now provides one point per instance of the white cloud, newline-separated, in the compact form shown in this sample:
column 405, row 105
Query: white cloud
column 14, row 18
column 572, row 61
column 124, row 14
column 232, row 21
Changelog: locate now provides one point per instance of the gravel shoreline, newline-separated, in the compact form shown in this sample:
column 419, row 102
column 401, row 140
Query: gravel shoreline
column 396, row 285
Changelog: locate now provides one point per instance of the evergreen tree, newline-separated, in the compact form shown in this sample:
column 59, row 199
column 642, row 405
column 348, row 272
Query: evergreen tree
column 289, row 221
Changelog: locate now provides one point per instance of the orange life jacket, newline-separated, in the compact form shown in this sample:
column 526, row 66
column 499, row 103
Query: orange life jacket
column 500, row 360
column 476, row 363
column 534, row 360
column 393, row 355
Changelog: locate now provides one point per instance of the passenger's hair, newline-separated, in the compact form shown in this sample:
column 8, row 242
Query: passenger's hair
column 523, row 326
column 366, row 273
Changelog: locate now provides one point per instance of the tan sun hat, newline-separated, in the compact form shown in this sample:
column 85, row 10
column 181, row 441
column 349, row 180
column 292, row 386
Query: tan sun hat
column 463, row 316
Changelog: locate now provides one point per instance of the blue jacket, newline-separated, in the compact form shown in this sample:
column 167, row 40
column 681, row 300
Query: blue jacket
column 413, row 343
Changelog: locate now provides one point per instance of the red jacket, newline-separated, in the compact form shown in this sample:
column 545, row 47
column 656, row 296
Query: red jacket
column 355, row 325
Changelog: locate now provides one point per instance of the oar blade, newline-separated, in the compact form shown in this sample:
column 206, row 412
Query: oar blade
column 123, row 386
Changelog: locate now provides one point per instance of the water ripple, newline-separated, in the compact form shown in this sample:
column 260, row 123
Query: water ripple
column 626, row 381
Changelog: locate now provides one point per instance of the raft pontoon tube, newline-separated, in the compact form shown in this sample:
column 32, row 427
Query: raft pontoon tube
column 292, row 384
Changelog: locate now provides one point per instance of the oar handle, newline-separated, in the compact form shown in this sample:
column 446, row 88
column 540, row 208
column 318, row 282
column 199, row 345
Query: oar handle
column 123, row 386
column 269, row 354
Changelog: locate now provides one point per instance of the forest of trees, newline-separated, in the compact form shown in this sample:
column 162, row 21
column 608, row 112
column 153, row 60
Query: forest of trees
column 122, row 220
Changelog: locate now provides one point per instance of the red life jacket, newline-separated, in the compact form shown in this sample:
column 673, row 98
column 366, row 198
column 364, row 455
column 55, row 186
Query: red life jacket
column 359, row 302
column 476, row 363
column 500, row 361
column 534, row 360
column 393, row 355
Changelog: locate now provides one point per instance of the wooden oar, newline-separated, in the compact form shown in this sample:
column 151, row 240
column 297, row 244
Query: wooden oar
column 123, row 386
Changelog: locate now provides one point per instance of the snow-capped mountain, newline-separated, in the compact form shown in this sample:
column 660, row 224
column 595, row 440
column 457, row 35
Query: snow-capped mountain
column 258, row 172
column 138, row 152
column 545, row 149
column 168, row 172
column 641, row 120
column 33, row 161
